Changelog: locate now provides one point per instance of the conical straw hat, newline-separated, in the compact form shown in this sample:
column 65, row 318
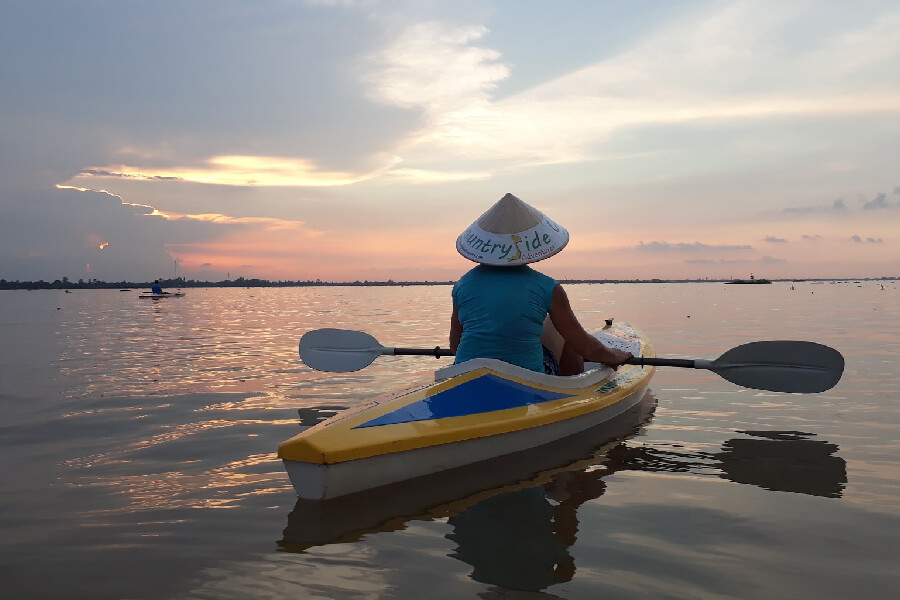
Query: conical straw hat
column 511, row 233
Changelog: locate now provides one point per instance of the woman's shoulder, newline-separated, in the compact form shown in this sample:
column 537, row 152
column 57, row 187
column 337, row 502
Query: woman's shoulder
column 543, row 277
column 473, row 272
column 466, row 279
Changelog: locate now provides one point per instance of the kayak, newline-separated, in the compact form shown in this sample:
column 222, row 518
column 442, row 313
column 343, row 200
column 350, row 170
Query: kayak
column 163, row 295
column 473, row 411
column 585, row 457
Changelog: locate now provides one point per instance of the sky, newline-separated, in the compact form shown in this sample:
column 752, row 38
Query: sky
column 349, row 140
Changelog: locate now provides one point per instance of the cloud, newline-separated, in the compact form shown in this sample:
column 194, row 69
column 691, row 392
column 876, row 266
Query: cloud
column 836, row 206
column 55, row 234
column 868, row 240
column 50, row 235
column 435, row 67
column 721, row 261
column 878, row 202
column 727, row 261
column 695, row 69
column 434, row 176
column 775, row 239
column 112, row 174
column 813, row 237
column 688, row 247
column 266, row 223
column 252, row 171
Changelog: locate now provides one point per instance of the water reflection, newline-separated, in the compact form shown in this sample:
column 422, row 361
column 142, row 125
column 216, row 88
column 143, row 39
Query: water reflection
column 783, row 461
column 518, row 536
column 787, row 461
column 517, row 540
column 520, row 539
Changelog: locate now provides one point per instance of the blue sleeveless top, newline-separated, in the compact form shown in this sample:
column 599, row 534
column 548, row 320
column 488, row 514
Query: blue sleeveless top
column 502, row 311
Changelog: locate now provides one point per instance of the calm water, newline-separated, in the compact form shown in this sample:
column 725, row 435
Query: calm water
column 138, row 438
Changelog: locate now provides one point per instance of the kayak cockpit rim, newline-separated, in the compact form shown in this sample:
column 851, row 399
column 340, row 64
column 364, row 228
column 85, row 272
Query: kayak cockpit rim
column 593, row 373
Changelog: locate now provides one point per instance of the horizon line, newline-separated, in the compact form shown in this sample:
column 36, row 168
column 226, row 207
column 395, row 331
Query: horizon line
column 257, row 282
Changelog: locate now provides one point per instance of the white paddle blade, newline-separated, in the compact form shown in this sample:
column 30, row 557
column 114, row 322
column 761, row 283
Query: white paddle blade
column 339, row 350
column 782, row 366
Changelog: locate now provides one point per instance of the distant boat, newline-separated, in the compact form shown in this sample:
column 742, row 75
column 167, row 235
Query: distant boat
column 751, row 280
column 163, row 295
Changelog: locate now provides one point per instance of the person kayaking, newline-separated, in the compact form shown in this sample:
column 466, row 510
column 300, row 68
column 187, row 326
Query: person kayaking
column 156, row 288
column 500, row 307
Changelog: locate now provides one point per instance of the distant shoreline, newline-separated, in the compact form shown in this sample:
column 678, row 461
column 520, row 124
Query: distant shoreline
column 93, row 284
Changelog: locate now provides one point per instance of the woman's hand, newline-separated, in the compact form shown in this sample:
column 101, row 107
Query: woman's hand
column 580, row 341
column 614, row 358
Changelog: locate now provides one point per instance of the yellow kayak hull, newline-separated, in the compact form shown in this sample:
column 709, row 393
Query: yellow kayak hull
column 474, row 411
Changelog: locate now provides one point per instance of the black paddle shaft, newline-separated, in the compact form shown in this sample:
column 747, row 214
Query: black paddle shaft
column 687, row 363
column 436, row 352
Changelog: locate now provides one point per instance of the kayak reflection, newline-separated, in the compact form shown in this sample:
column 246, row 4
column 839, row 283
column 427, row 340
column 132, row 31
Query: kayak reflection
column 520, row 540
column 514, row 519
column 511, row 540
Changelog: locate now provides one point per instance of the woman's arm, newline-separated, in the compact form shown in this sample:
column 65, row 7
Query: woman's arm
column 581, row 341
column 455, row 329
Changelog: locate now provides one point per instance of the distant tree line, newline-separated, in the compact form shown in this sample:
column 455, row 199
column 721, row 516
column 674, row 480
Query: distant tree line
column 179, row 282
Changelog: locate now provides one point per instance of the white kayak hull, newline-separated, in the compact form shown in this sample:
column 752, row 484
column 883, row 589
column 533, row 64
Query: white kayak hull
column 316, row 481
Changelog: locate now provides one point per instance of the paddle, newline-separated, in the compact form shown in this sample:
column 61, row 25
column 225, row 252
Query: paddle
column 343, row 350
column 778, row 366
